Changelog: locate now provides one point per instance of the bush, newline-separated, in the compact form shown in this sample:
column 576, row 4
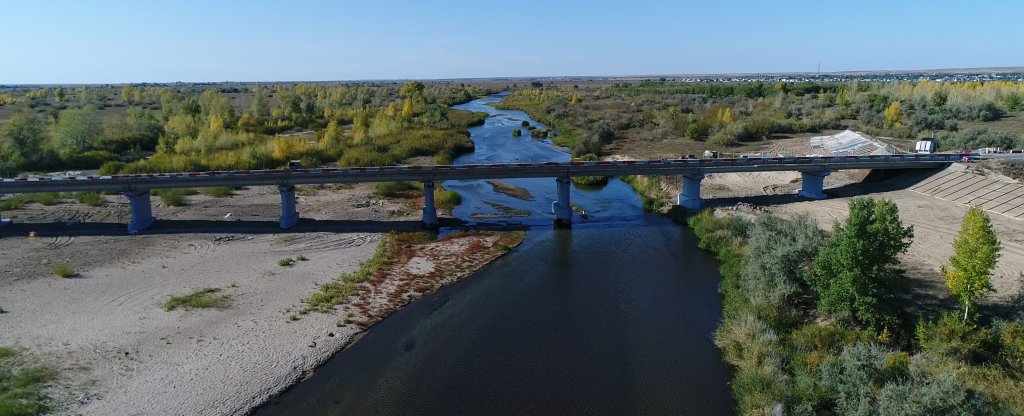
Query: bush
column 868, row 379
column 978, row 138
column 288, row 262
column 728, row 136
column 64, row 270
column 517, row 133
column 112, row 167
column 301, row 258
column 1011, row 343
column 950, row 336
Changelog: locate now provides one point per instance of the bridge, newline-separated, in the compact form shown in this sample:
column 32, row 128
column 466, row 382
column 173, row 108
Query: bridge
column 137, row 187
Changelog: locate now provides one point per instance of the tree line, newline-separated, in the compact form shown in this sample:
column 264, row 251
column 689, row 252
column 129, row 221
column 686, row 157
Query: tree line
column 818, row 323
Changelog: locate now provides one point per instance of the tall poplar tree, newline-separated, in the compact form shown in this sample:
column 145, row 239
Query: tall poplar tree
column 976, row 251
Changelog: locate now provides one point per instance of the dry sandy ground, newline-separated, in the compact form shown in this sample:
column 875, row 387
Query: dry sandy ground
column 121, row 353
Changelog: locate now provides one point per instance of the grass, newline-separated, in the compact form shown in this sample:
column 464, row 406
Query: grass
column 398, row 190
column 301, row 258
column 288, row 262
column 64, row 270
column 174, row 197
column 335, row 292
column 22, row 388
column 447, row 200
column 649, row 188
column 218, row 192
column 19, row 201
column 593, row 181
column 94, row 199
column 309, row 190
column 206, row 297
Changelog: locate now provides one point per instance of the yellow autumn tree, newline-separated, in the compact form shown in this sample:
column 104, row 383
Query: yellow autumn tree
column 407, row 109
column 892, row 115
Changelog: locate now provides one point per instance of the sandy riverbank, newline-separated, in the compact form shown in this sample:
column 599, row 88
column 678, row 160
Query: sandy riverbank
column 119, row 352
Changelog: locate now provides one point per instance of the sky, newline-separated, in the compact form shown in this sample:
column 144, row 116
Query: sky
column 97, row 41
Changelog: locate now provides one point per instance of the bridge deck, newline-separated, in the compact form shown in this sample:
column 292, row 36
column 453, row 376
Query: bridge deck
column 124, row 183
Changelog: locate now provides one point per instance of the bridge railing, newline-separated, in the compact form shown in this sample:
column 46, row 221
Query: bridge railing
column 143, row 181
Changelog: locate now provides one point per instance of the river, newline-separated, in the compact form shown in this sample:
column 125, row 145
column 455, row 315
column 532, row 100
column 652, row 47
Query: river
column 614, row 316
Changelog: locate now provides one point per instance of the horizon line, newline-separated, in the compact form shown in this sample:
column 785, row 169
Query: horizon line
column 994, row 70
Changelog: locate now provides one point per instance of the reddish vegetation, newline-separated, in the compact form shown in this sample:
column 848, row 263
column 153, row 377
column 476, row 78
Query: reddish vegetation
column 416, row 269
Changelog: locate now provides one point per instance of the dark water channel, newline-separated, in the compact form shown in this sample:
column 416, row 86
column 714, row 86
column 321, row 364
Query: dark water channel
column 613, row 317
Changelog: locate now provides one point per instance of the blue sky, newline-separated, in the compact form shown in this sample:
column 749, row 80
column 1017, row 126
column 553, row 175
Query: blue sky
column 99, row 41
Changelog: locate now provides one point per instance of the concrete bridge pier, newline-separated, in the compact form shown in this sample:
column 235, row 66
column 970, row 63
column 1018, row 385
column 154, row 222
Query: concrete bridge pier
column 813, row 184
column 690, row 198
column 289, row 216
column 562, row 208
column 142, row 211
column 429, row 210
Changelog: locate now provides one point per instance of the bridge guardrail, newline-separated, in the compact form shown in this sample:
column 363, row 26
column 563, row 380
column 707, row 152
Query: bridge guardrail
column 132, row 182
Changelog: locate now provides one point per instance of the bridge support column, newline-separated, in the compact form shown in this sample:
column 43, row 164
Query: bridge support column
column 690, row 198
column 813, row 184
column 562, row 208
column 142, row 211
column 429, row 211
column 289, row 216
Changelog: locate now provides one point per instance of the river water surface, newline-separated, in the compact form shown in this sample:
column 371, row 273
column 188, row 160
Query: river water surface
column 614, row 316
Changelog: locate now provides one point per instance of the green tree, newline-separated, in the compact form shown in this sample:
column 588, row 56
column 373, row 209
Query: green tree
column 77, row 130
column 59, row 94
column 857, row 274
column 260, row 106
column 412, row 89
column 976, row 251
column 22, row 137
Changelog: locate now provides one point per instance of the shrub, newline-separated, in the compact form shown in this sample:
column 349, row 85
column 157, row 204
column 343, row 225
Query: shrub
column 286, row 262
column 64, row 270
column 978, row 138
column 112, row 167
column 779, row 254
column 951, row 336
column 201, row 298
column 728, row 136
column 301, row 258
column 517, row 133
column 1011, row 343
column 868, row 379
